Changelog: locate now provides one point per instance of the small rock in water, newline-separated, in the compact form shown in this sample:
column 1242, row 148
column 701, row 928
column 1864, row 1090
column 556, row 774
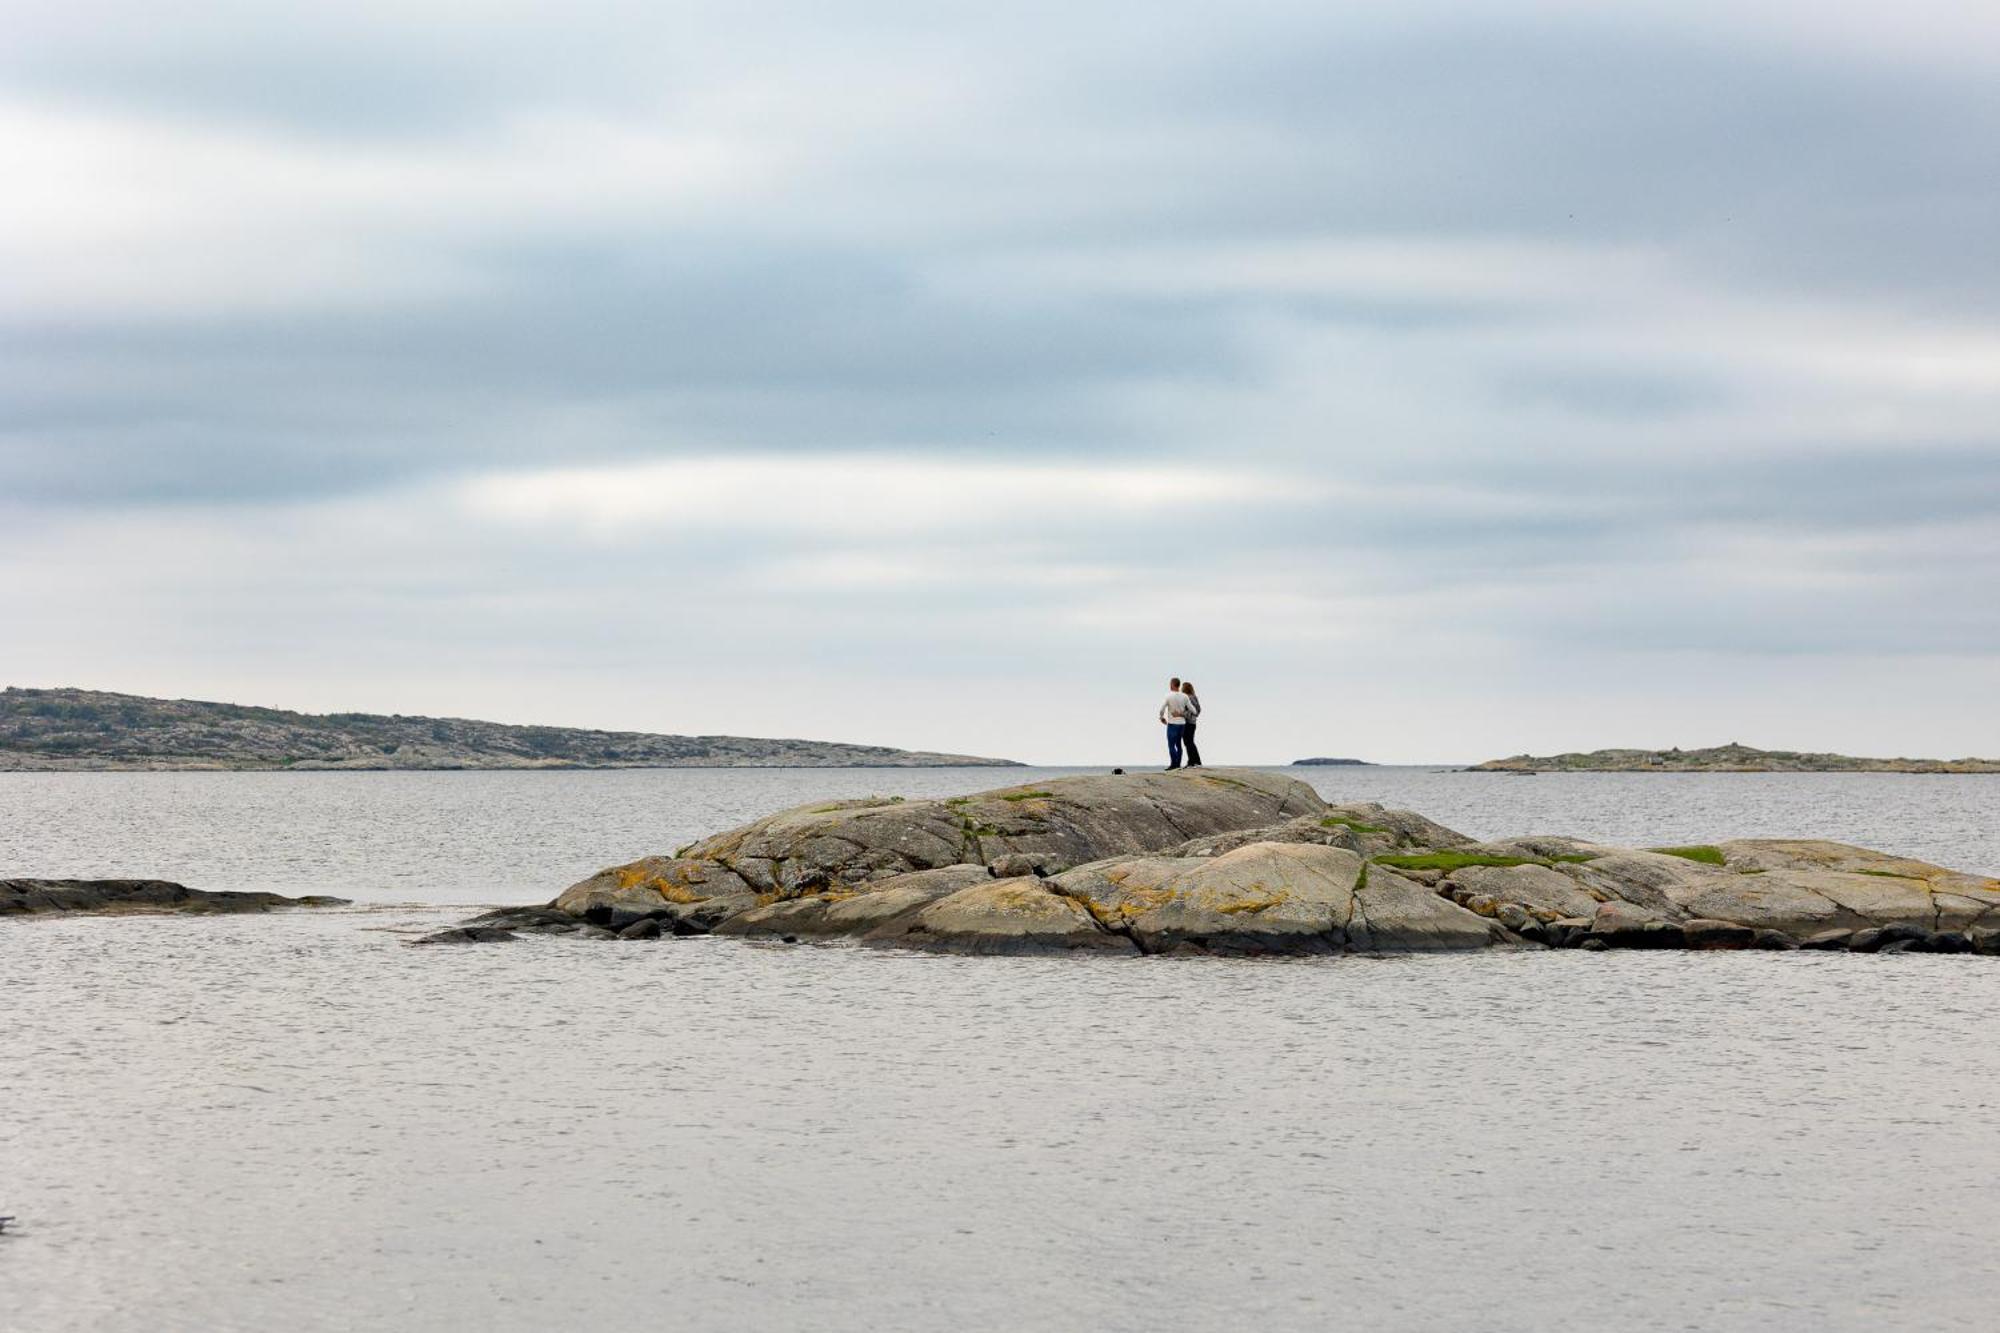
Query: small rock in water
column 468, row 935
column 646, row 928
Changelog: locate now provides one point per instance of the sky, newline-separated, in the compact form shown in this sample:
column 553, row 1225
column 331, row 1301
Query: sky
column 1428, row 382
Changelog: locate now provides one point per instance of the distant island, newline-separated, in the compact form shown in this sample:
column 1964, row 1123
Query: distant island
column 1730, row 758
column 1322, row 763
column 91, row 730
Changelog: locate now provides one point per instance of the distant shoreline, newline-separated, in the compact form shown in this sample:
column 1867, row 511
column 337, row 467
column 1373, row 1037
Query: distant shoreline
column 1731, row 758
column 73, row 730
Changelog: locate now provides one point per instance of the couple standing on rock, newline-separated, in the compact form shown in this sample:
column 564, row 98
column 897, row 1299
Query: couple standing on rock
column 1179, row 713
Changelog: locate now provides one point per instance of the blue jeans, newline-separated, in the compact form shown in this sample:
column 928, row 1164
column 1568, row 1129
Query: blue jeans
column 1175, row 730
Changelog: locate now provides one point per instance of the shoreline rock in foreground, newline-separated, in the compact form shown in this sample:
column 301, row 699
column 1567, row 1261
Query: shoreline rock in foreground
column 132, row 897
column 1239, row 862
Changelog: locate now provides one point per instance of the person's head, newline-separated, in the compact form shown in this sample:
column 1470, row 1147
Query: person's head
column 1187, row 687
column 1174, row 684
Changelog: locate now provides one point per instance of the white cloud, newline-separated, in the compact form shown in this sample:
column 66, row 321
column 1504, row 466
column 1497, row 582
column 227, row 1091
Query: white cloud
column 861, row 497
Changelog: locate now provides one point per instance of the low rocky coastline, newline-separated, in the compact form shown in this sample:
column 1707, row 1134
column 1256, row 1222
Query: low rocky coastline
column 77, row 731
column 1240, row 862
column 127, row 897
column 1730, row 758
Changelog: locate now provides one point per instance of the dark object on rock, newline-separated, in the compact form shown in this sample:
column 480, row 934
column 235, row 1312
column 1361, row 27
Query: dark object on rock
column 544, row 920
column 108, row 897
column 1777, row 941
column 1117, row 772
column 646, row 928
column 1879, row 938
column 468, row 935
column 1901, row 946
column 1593, row 943
column 1569, row 931
column 1703, row 933
column 1986, row 939
column 1828, row 939
column 1951, row 941
column 618, row 919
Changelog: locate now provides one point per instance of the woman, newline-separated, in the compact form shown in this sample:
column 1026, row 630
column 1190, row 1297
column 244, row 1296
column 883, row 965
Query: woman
column 1187, row 736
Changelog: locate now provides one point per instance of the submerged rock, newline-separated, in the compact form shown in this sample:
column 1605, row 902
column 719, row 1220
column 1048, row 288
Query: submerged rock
column 112, row 897
column 468, row 935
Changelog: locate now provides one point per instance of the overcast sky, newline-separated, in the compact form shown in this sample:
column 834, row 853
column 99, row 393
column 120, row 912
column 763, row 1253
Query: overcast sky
column 1429, row 382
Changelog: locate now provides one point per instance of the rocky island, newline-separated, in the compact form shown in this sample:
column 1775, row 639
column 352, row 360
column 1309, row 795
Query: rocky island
column 1730, row 758
column 129, row 897
column 67, row 729
column 1331, row 763
column 1244, row 862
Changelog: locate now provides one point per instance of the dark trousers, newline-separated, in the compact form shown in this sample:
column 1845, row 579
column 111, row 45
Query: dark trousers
column 1174, row 732
column 1193, row 754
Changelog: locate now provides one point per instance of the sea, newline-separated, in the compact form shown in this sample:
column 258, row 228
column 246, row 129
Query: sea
column 296, row 1121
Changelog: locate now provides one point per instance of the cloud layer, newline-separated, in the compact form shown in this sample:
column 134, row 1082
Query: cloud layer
column 1468, row 379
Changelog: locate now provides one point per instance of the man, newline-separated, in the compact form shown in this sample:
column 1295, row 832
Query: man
column 1174, row 712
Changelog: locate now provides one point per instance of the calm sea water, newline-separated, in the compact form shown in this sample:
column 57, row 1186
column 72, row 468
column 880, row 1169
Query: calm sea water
column 520, row 837
column 295, row 1121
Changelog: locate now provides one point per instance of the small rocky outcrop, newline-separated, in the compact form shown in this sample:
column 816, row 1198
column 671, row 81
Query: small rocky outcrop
column 111, row 897
column 1243, row 863
column 1039, row 829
